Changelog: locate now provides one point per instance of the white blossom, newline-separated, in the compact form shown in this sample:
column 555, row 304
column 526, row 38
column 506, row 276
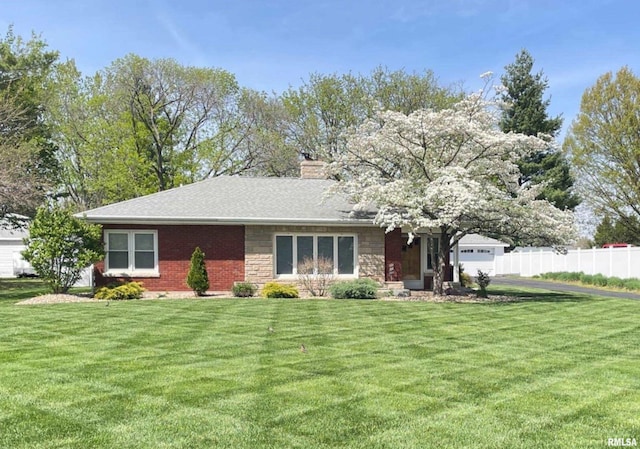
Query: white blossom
column 453, row 171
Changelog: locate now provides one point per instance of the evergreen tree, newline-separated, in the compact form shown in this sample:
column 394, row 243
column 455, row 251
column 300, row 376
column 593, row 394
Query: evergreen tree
column 527, row 114
column 605, row 232
column 197, row 278
column 622, row 230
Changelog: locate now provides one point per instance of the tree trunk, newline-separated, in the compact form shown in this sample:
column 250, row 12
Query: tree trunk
column 441, row 267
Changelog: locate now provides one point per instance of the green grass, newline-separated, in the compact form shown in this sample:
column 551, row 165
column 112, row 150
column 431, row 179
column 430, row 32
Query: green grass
column 554, row 370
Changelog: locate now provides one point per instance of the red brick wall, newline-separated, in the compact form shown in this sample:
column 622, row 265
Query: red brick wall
column 224, row 254
column 393, row 255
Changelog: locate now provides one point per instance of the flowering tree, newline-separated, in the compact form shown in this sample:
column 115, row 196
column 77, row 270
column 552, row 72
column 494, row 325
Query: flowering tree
column 449, row 172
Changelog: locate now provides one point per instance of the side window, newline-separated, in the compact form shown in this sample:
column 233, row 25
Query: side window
column 118, row 254
column 131, row 251
column 284, row 254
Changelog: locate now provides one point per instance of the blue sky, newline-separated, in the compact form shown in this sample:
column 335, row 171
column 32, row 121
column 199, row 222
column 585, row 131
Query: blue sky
column 271, row 45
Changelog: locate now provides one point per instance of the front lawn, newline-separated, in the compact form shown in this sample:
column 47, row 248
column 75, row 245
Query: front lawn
column 556, row 370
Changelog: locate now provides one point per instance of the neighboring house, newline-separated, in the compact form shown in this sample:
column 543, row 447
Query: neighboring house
column 12, row 263
column 252, row 229
column 477, row 252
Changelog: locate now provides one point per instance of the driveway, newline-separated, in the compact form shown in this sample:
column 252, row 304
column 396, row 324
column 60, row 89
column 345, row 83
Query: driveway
column 559, row 287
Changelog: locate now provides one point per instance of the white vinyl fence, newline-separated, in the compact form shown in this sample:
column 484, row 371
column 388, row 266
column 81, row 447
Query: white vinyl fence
column 620, row 262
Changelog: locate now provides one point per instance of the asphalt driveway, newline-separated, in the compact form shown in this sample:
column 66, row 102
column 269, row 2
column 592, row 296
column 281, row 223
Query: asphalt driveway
column 559, row 287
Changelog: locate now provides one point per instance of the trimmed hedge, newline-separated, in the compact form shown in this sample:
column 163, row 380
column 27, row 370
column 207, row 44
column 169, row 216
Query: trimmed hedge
column 276, row 290
column 357, row 289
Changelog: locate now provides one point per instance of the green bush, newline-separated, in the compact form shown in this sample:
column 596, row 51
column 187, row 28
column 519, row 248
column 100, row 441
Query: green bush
column 615, row 282
column 276, row 290
column 198, row 279
column 243, row 289
column 600, row 280
column 587, row 279
column 632, row 284
column 483, row 280
column 465, row 278
column 60, row 246
column 563, row 276
column 115, row 292
column 356, row 289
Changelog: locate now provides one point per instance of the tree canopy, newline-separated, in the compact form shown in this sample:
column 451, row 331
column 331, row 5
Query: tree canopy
column 604, row 146
column 26, row 153
column 450, row 172
column 325, row 108
column 60, row 246
column 141, row 126
column 526, row 113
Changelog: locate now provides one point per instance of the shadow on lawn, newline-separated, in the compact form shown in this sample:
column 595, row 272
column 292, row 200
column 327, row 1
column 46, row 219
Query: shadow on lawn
column 17, row 289
column 536, row 296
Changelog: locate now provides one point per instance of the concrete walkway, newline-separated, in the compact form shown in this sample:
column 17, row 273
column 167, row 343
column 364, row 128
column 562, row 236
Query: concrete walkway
column 559, row 287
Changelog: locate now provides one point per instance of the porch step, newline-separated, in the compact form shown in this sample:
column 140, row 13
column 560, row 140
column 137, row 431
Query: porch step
column 394, row 289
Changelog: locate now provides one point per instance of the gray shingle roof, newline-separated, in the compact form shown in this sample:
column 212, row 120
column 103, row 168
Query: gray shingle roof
column 236, row 199
column 480, row 240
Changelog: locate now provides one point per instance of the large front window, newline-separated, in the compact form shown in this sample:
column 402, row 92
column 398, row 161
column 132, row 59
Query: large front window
column 131, row 252
column 292, row 252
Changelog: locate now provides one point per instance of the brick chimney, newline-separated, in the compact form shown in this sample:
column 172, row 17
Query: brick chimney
column 312, row 169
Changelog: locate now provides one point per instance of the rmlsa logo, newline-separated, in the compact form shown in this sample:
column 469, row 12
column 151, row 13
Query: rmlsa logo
column 623, row 442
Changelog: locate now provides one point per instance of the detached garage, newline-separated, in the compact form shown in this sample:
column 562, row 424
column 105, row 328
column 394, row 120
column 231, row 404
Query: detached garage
column 481, row 253
column 11, row 262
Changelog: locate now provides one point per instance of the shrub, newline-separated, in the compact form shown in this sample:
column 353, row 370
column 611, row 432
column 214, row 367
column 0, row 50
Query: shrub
column 316, row 278
column 594, row 279
column 356, row 289
column 198, row 279
column 465, row 278
column 632, row 284
column 60, row 246
column 483, row 280
column 276, row 290
column 115, row 292
column 586, row 279
column 243, row 289
column 615, row 282
column 600, row 280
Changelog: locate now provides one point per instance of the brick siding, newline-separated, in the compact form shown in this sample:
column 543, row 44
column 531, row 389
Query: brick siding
column 224, row 254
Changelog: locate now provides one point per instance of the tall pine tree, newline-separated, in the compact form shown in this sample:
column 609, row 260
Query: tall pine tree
column 527, row 114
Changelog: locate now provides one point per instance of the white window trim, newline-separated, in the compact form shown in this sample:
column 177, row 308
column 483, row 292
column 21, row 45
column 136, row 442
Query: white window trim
column 131, row 271
column 295, row 235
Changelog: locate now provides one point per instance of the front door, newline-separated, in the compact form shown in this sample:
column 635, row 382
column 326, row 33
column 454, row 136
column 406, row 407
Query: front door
column 412, row 263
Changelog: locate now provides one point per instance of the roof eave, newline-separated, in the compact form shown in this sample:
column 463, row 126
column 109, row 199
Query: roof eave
column 225, row 221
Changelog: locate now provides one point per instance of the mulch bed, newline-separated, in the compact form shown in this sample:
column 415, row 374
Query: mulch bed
column 416, row 296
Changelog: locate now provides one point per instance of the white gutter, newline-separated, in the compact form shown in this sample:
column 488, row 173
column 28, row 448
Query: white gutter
column 146, row 220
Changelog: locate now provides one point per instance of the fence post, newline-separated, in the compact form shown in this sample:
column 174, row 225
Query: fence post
column 628, row 261
column 520, row 261
column 540, row 264
column 610, row 261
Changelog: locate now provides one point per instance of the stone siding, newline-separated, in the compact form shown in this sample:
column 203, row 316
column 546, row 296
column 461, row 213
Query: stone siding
column 259, row 251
